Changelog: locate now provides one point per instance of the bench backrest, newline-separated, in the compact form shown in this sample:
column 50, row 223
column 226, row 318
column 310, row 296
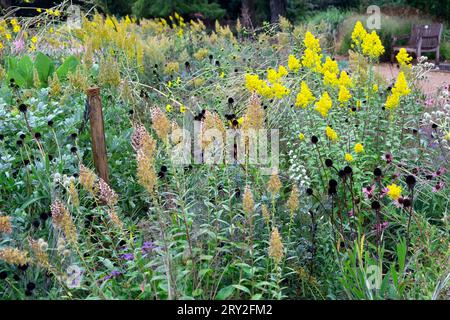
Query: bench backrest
column 426, row 30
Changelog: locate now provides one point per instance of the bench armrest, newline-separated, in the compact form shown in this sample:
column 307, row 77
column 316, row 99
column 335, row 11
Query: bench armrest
column 400, row 37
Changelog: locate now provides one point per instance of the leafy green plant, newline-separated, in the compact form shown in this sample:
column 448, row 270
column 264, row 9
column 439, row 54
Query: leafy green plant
column 21, row 70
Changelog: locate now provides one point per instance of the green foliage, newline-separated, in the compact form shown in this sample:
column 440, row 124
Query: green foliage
column 22, row 70
column 164, row 8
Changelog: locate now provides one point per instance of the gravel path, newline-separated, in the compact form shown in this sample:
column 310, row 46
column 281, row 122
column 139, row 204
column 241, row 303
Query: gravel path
column 429, row 86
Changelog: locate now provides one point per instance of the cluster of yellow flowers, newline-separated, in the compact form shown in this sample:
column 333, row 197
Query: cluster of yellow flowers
column 324, row 104
column 305, row 96
column 403, row 58
column 272, row 88
column 5, row 31
column 368, row 43
column 293, row 63
column 312, row 56
column 359, row 148
column 331, row 134
column 399, row 90
column 394, row 191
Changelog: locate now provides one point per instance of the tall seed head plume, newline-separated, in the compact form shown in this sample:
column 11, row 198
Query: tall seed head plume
column 212, row 121
column 14, row 256
column 62, row 220
column 39, row 249
column 293, row 201
column 106, row 193
column 254, row 116
column 73, row 194
column 161, row 124
column 274, row 185
column 248, row 203
column 114, row 217
column 87, row 179
column 5, row 224
column 265, row 213
column 276, row 246
column 146, row 172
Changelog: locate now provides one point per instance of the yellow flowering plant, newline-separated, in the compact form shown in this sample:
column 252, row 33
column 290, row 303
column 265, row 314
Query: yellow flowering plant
column 351, row 168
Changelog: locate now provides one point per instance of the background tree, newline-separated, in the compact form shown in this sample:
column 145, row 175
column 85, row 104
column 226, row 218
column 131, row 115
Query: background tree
column 277, row 9
column 164, row 8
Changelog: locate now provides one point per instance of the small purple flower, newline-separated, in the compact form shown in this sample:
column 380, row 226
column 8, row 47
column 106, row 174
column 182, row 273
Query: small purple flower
column 351, row 213
column 127, row 256
column 147, row 248
column 113, row 274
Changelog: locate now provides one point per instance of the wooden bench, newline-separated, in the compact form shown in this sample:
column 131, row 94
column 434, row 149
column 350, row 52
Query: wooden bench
column 423, row 38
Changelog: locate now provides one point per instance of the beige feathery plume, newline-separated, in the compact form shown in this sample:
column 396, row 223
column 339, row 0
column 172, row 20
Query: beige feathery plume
column 274, row 185
column 14, row 256
column 146, row 172
column 5, row 224
column 254, row 116
column 265, row 213
column 248, row 203
column 161, row 124
column 293, row 201
column 142, row 140
column 39, row 249
column 212, row 121
column 276, row 246
column 62, row 220
column 106, row 193
column 87, row 179
column 73, row 194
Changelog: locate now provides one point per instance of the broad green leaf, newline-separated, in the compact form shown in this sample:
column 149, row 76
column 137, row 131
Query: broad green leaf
column 69, row 65
column 225, row 293
column 44, row 66
column 25, row 68
column 242, row 288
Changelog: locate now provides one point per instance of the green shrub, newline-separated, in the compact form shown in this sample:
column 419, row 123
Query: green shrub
column 445, row 51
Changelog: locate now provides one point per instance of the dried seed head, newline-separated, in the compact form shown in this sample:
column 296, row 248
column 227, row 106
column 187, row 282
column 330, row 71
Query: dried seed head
column 73, row 192
column 254, row 116
column 212, row 122
column 107, row 194
column 276, row 246
column 5, row 224
column 87, row 179
column 248, row 203
column 114, row 217
column 274, row 184
column 39, row 250
column 146, row 172
column 265, row 213
column 14, row 256
column 293, row 201
column 62, row 220
column 161, row 124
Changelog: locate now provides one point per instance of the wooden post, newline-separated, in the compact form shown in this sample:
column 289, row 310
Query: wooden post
column 97, row 133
